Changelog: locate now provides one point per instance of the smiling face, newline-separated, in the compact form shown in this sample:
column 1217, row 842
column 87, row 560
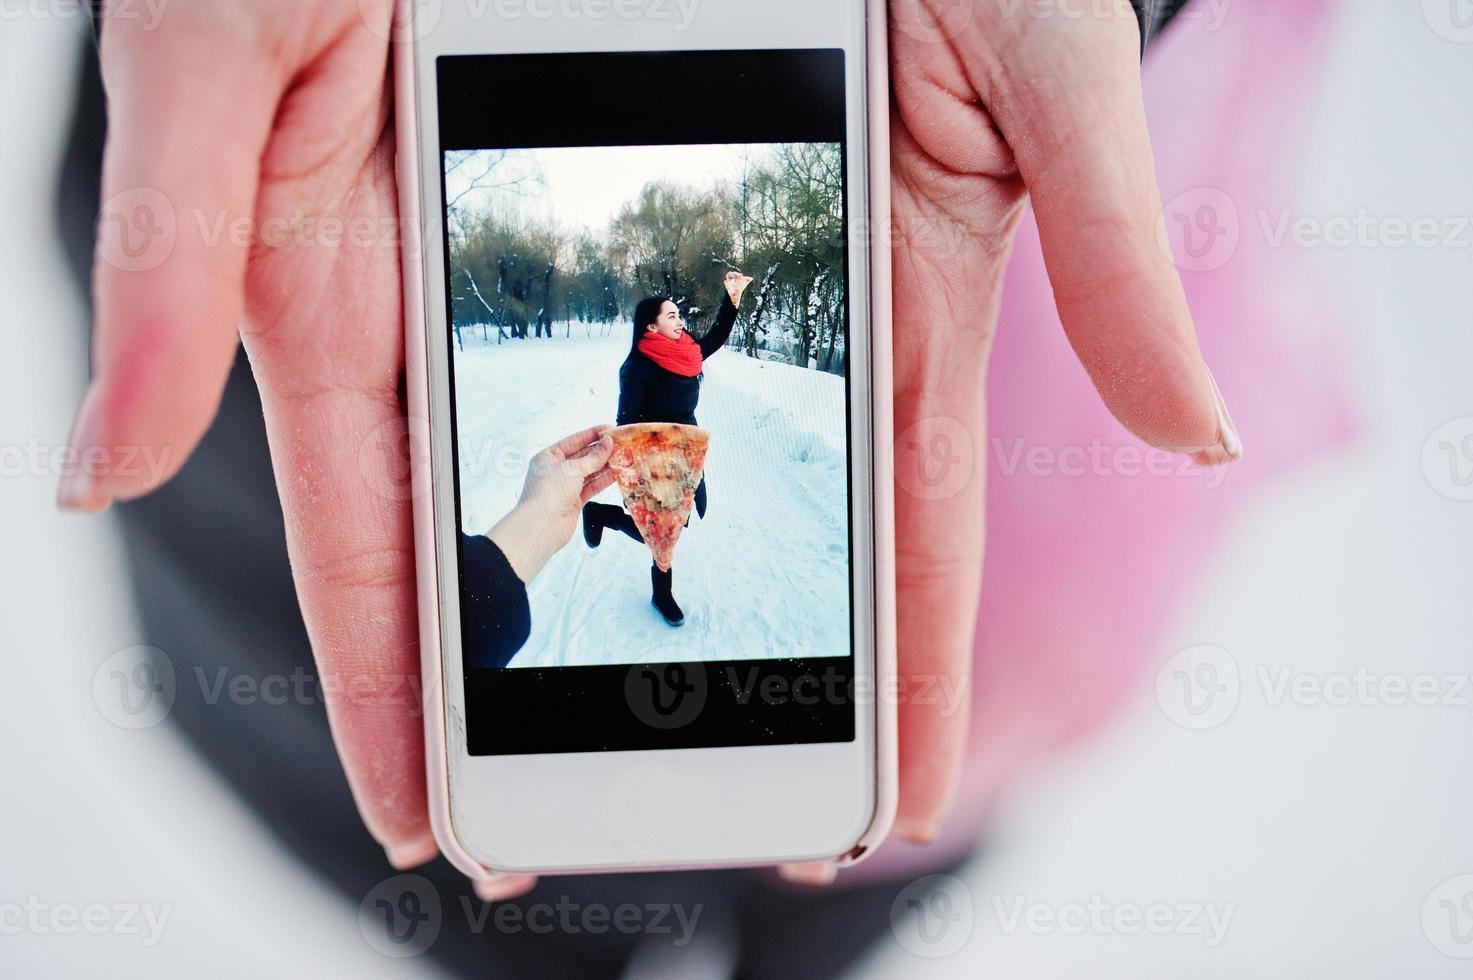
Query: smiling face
column 669, row 324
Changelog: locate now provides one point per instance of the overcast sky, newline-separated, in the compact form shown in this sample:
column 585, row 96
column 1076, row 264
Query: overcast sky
column 586, row 186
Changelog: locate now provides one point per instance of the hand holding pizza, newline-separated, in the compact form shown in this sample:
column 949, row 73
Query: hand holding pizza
column 736, row 284
column 560, row 480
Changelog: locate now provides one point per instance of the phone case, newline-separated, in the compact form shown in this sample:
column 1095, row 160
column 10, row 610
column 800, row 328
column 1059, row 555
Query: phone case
column 489, row 882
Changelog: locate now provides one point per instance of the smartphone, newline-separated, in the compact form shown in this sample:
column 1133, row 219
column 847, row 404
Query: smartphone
column 567, row 167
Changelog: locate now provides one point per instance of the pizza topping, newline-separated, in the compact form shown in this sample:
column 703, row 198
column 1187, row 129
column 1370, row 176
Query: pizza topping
column 665, row 478
column 658, row 466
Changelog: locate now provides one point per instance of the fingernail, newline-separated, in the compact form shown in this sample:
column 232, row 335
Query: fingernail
column 812, row 873
column 916, row 831
column 1229, row 445
column 413, row 854
column 78, row 490
column 502, row 888
column 78, row 493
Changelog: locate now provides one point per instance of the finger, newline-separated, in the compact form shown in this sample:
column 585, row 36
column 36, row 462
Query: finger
column 593, row 458
column 569, row 446
column 816, row 873
column 350, row 539
column 503, row 888
column 947, row 269
column 179, row 176
column 595, row 484
column 1079, row 135
column 324, row 332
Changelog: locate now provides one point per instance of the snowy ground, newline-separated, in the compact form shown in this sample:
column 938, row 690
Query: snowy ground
column 765, row 574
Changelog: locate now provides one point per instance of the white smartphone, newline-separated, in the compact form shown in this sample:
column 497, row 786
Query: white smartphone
column 669, row 215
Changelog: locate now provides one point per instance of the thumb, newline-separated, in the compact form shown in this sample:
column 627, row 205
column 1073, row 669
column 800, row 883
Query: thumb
column 1078, row 133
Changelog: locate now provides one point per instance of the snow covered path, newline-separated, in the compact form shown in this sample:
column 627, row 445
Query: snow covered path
column 764, row 575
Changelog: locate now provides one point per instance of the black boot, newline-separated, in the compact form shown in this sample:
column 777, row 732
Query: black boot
column 661, row 598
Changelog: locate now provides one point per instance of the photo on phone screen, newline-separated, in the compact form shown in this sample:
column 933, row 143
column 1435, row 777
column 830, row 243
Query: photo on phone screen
column 657, row 240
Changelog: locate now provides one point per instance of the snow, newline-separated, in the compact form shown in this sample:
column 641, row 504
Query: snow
column 765, row 574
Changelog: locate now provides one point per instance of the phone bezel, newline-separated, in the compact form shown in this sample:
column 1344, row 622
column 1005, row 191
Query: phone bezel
column 604, row 810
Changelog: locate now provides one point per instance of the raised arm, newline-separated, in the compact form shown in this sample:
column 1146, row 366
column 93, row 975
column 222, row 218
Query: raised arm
column 720, row 331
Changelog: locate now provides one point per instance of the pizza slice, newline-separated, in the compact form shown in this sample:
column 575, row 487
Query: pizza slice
column 658, row 466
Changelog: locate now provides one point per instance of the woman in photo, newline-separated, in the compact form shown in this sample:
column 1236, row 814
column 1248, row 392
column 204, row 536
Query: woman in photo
column 660, row 381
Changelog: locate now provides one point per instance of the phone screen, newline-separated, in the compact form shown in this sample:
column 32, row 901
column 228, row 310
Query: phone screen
column 657, row 241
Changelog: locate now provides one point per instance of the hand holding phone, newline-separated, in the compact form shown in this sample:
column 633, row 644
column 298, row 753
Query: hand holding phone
column 321, row 319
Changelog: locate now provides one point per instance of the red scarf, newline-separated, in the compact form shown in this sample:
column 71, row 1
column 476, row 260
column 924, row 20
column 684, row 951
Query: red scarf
column 681, row 356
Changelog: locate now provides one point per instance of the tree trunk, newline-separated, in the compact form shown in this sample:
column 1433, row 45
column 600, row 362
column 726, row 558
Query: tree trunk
column 475, row 289
column 810, row 317
column 754, row 324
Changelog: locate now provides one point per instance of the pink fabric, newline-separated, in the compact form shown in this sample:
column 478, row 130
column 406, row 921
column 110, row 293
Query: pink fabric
column 1082, row 573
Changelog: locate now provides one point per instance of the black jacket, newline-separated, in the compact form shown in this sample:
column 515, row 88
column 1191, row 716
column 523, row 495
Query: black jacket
column 495, row 619
column 649, row 393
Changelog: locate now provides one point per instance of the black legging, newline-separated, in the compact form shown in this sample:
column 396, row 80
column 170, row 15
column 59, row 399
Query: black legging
column 623, row 522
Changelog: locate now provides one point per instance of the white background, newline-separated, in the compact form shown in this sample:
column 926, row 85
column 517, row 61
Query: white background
column 1325, row 827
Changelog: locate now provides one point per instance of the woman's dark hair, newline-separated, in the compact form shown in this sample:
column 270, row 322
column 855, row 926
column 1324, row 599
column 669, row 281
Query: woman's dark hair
column 646, row 312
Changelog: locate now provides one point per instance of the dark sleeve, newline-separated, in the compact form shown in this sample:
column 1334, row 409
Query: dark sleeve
column 494, row 615
column 632, row 385
column 1154, row 14
column 720, row 331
